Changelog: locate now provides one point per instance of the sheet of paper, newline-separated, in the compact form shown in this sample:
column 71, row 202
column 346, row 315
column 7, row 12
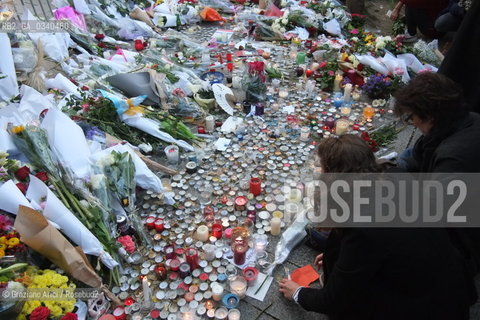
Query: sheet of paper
column 222, row 144
column 221, row 91
column 231, row 124
column 260, row 296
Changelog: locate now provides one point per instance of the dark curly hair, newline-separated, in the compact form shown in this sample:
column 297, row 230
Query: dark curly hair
column 346, row 154
column 432, row 96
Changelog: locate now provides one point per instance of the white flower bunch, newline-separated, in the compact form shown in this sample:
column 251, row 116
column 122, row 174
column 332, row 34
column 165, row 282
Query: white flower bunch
column 97, row 180
column 106, row 161
column 381, row 42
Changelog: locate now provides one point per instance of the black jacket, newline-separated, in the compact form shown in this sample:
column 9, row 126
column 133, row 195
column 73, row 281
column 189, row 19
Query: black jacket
column 454, row 149
column 461, row 61
column 389, row 274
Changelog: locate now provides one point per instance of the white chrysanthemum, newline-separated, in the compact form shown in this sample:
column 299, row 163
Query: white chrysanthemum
column 97, row 180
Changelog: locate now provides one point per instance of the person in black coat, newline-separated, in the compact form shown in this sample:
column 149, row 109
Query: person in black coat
column 450, row 142
column 461, row 61
column 383, row 273
column 450, row 18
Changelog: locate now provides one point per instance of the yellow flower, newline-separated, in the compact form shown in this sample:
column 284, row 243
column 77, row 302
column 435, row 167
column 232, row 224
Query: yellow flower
column 12, row 242
column 18, row 129
column 3, row 239
column 2, row 252
column 56, row 311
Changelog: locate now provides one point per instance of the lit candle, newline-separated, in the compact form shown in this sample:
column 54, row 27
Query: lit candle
column 209, row 304
column 147, row 293
column 368, row 112
column 202, row 233
column 209, row 123
column 283, row 93
column 260, row 243
column 240, row 203
column 172, row 154
column 304, row 133
column 345, row 110
column 189, row 315
column 315, row 66
column 255, row 186
column 275, row 225
column 347, row 92
column 209, row 250
column 238, row 286
column 239, row 253
column 234, row 314
column 217, row 292
column 119, row 313
column 221, row 313
column 161, row 271
column 150, row 222
column 336, row 82
column 169, row 251
column 341, row 127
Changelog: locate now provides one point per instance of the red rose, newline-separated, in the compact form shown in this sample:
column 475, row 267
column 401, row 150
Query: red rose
column 22, row 186
column 40, row 313
column 42, row 176
column 102, row 45
column 322, row 64
column 70, row 316
column 85, row 88
column 99, row 36
column 22, row 173
column 139, row 46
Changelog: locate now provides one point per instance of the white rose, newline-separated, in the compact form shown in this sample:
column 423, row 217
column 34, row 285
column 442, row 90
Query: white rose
column 96, row 181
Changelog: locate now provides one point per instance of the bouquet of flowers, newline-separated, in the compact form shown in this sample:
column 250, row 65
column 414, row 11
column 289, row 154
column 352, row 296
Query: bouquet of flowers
column 43, row 309
column 254, row 81
column 325, row 75
column 119, row 171
column 9, row 239
column 378, row 86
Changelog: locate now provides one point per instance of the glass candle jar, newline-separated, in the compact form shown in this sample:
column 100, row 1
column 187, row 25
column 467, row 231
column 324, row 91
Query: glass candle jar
column 217, row 229
column 304, row 133
column 368, row 112
column 192, row 258
column 239, row 253
column 255, row 186
column 341, row 126
column 238, row 286
column 169, row 251
column 209, row 250
column 159, row 226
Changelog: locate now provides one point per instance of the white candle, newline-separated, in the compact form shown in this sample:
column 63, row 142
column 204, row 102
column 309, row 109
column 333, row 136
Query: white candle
column 347, row 92
column 341, row 127
column 238, row 285
column 234, row 314
column 275, row 225
column 172, row 154
column 210, row 123
column 283, row 93
column 209, row 250
column 304, row 133
column 146, row 293
column 217, row 292
column 295, row 195
column 202, row 233
column 221, row 313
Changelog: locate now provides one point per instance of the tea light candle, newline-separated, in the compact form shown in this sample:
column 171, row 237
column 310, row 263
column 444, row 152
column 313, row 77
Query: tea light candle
column 221, row 313
column 189, row 315
column 345, row 110
column 275, row 225
column 239, row 253
column 304, row 133
column 230, row 301
column 217, row 292
column 170, row 251
column 240, row 203
column 209, row 123
column 347, row 92
column 184, row 270
column 368, row 112
column 201, row 129
column 209, row 304
column 341, row 127
column 202, row 233
column 209, row 250
column 283, row 93
column 174, row 264
column 150, row 222
column 238, row 286
column 172, row 154
column 234, row 314
column 255, row 186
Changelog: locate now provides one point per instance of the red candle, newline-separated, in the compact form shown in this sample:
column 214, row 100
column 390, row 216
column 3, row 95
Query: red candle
column 240, row 203
column 201, row 129
column 250, row 274
column 174, row 264
column 239, row 254
column 170, row 251
column 255, row 186
column 119, row 313
column 150, row 222
column 217, row 230
column 356, row 126
column 155, row 314
column 159, row 225
column 192, row 258
column 229, row 57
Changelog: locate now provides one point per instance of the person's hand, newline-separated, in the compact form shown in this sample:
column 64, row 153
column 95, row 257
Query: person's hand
column 288, row 288
column 318, row 262
column 394, row 15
